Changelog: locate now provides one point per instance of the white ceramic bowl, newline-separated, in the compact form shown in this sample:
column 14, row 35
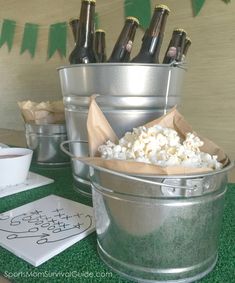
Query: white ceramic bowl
column 14, row 165
column 2, row 145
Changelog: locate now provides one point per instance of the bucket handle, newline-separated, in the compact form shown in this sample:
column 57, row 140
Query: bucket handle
column 129, row 177
column 67, row 152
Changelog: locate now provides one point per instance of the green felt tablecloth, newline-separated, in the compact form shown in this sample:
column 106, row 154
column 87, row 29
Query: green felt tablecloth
column 82, row 259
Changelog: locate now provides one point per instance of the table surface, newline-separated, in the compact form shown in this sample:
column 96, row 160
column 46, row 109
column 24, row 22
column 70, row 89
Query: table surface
column 80, row 262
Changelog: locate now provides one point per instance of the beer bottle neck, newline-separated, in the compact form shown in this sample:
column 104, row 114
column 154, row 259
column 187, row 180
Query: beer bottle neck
column 74, row 24
column 152, row 39
column 175, row 48
column 86, row 25
column 155, row 32
column 100, row 46
column 186, row 47
column 122, row 48
column 128, row 33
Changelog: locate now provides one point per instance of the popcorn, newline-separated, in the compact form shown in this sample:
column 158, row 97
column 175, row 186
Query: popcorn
column 161, row 146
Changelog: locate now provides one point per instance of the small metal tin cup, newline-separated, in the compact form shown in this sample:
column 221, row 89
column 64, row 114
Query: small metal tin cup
column 45, row 142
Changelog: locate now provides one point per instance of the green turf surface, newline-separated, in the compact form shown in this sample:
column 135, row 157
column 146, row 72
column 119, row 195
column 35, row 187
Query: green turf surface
column 80, row 262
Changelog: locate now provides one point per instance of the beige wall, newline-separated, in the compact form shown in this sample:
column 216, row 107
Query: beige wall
column 208, row 97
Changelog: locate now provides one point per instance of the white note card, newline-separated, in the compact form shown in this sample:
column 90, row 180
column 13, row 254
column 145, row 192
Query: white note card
column 43, row 228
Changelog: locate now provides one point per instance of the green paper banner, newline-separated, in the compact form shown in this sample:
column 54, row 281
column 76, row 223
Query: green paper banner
column 30, row 37
column 57, row 39
column 197, row 5
column 141, row 9
column 7, row 33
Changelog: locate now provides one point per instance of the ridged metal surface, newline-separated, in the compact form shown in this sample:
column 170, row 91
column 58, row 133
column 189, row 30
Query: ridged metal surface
column 164, row 231
column 121, row 79
column 45, row 142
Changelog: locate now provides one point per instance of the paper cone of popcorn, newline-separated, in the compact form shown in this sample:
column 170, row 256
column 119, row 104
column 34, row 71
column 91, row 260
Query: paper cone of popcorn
column 42, row 113
column 100, row 131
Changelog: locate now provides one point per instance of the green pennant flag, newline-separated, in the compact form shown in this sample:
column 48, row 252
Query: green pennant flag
column 57, row 39
column 197, row 5
column 7, row 33
column 30, row 37
column 141, row 9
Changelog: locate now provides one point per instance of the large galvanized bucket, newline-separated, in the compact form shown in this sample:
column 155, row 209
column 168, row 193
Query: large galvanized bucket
column 161, row 228
column 130, row 95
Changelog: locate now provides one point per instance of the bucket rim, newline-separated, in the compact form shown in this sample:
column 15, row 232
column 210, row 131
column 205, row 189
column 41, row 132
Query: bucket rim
column 32, row 128
column 228, row 167
column 172, row 65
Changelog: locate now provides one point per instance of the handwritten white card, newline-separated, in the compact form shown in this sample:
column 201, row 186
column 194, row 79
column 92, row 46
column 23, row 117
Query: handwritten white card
column 42, row 229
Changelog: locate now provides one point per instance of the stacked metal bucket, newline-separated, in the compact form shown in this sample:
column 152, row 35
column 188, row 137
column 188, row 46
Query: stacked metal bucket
column 130, row 96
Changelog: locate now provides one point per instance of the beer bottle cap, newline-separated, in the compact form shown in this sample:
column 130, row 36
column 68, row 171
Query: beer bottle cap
column 164, row 7
column 180, row 30
column 99, row 30
column 133, row 19
column 73, row 19
column 92, row 1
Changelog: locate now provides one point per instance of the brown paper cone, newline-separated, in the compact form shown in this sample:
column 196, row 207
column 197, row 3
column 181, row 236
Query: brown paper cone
column 99, row 131
column 140, row 168
column 43, row 112
column 98, row 128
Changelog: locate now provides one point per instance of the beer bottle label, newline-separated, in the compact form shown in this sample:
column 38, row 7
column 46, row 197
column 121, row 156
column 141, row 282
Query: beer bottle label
column 172, row 52
column 129, row 46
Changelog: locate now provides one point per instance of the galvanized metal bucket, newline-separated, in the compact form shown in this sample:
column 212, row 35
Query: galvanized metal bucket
column 130, row 95
column 45, row 142
column 161, row 228
column 121, row 79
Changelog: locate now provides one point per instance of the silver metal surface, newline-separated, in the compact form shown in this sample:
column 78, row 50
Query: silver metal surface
column 80, row 170
column 166, row 229
column 127, row 79
column 187, row 185
column 130, row 95
column 123, row 113
column 158, row 228
column 112, row 102
column 45, row 142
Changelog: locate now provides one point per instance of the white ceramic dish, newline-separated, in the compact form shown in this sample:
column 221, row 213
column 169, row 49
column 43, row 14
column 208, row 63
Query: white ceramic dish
column 14, row 165
column 2, row 145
